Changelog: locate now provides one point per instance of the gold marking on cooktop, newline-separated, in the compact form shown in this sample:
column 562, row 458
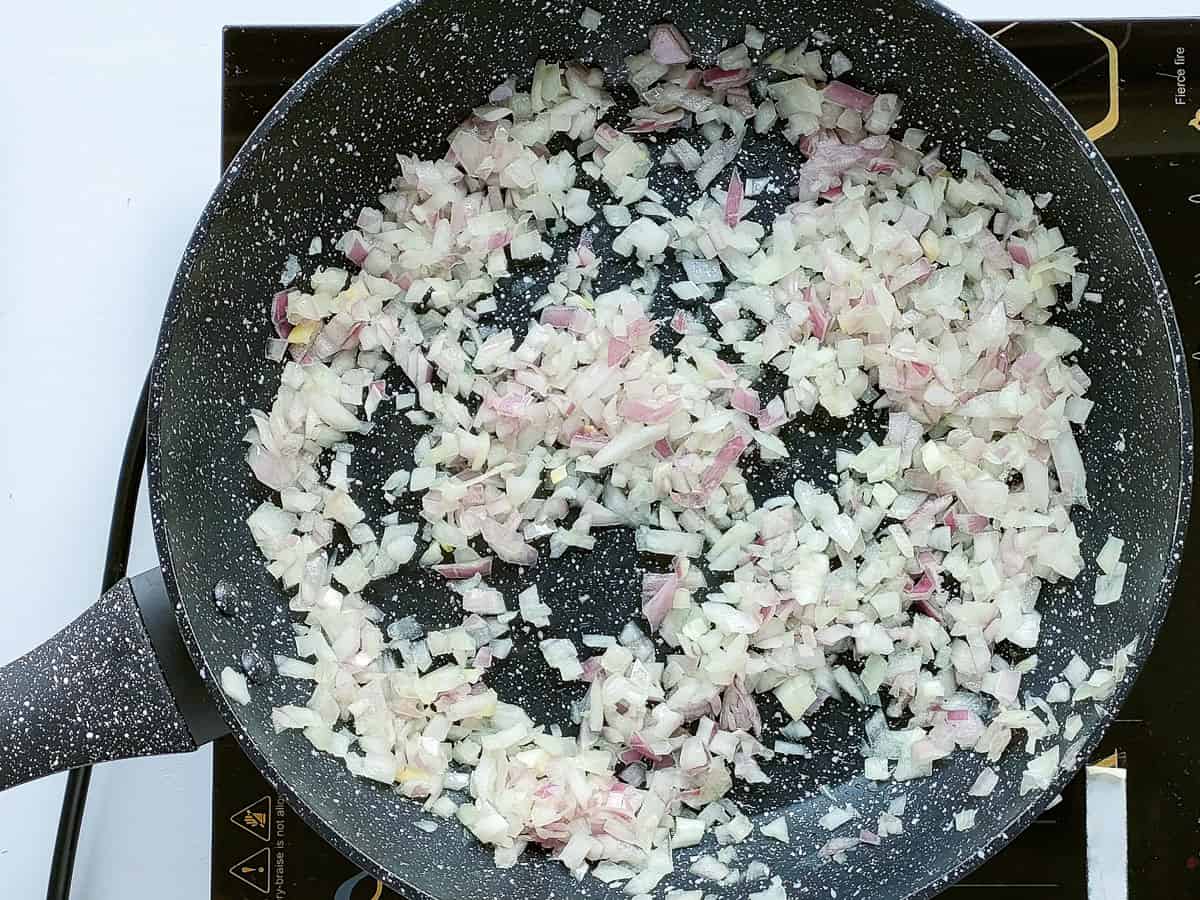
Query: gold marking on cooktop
column 1113, row 117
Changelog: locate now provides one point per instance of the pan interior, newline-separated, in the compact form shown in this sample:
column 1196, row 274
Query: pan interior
column 400, row 85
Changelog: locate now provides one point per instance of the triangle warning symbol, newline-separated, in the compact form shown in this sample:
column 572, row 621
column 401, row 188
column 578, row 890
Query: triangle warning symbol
column 255, row 870
column 255, row 818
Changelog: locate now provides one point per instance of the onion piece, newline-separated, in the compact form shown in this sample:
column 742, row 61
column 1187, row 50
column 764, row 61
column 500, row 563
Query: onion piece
column 777, row 829
column 669, row 543
column 658, row 596
column 460, row 571
column 233, row 683
column 985, row 783
column 850, row 97
column 725, row 458
column 733, row 200
column 668, row 46
column 507, row 544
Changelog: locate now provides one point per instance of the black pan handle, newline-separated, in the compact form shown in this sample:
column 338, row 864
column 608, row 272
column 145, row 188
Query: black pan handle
column 115, row 683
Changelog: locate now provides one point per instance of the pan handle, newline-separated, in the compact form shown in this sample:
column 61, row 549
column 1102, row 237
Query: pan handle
column 115, row 683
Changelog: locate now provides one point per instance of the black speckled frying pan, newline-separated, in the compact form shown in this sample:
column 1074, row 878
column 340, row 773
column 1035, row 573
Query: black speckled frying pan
column 118, row 683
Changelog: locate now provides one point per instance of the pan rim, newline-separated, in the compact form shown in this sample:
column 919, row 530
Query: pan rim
column 984, row 45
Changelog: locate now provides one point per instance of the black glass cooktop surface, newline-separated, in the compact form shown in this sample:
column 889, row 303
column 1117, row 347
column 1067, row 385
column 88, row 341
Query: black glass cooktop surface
column 1135, row 86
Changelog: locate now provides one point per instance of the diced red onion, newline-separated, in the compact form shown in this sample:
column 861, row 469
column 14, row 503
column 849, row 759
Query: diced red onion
column 279, row 312
column 459, row 571
column 578, row 421
column 668, row 46
column 850, row 97
column 725, row 458
column 733, row 199
column 745, row 400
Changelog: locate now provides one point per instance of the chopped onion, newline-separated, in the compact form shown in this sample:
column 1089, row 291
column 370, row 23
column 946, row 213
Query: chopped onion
column 703, row 271
column 457, row 571
column 849, row 97
column 778, row 829
column 837, row 816
column 562, row 655
column 533, row 610
column 894, row 586
column 1110, row 586
column 233, row 683
column 669, row 543
column 1110, row 554
column 668, row 46
column 985, row 783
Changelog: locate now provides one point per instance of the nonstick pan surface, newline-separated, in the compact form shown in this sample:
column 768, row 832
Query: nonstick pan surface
column 399, row 84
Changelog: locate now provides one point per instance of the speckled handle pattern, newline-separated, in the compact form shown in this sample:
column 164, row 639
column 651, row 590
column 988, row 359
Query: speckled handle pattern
column 94, row 692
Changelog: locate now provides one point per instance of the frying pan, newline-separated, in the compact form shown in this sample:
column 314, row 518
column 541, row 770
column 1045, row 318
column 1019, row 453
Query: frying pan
column 119, row 682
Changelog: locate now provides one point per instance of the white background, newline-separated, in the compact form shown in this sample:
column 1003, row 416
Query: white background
column 109, row 148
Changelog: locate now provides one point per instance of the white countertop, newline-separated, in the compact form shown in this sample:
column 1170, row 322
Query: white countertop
column 110, row 149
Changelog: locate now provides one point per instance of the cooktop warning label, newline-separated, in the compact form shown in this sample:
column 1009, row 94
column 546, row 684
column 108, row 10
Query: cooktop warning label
column 255, row 818
column 255, row 870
